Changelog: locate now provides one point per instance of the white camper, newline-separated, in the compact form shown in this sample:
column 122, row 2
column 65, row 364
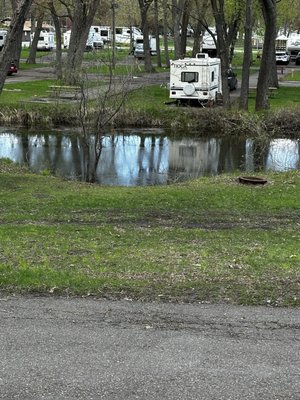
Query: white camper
column 123, row 34
column 139, row 46
column 195, row 80
column 293, row 45
column 104, row 33
column 46, row 41
column 208, row 44
column 3, row 34
column 94, row 40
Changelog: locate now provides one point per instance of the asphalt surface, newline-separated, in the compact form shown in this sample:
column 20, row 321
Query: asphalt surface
column 83, row 348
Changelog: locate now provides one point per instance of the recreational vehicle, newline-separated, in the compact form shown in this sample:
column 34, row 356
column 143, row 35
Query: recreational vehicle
column 46, row 41
column 195, row 80
column 208, row 44
column 139, row 46
column 3, row 34
column 94, row 40
column 293, row 46
column 124, row 34
column 104, row 32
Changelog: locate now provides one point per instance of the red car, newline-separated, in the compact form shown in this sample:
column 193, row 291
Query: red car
column 12, row 69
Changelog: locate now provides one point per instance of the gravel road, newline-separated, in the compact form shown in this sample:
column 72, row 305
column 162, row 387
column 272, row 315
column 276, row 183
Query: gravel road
column 83, row 348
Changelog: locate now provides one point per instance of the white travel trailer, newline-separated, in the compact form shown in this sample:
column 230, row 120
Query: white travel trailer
column 3, row 34
column 46, row 41
column 139, row 46
column 195, row 80
column 104, row 33
column 94, row 40
column 208, row 44
column 122, row 34
column 293, row 45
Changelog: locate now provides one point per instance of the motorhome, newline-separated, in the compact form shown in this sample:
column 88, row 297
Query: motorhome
column 293, row 45
column 3, row 34
column 46, row 41
column 195, row 80
column 139, row 46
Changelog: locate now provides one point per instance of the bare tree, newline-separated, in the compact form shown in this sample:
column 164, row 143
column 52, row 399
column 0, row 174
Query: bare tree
column 165, row 33
column 144, row 8
column 226, row 37
column 84, row 12
column 95, row 118
column 14, row 37
column 268, row 63
column 37, row 30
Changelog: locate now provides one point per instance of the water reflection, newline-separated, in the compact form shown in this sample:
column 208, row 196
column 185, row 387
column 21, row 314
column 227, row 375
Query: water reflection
column 147, row 158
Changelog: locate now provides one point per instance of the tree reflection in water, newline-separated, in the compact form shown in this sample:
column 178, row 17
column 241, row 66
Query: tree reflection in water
column 145, row 158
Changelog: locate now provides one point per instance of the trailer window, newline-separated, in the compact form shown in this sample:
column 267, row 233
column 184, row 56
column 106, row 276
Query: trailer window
column 189, row 77
column 213, row 76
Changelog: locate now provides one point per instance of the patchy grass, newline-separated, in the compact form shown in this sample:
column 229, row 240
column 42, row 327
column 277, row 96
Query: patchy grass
column 209, row 239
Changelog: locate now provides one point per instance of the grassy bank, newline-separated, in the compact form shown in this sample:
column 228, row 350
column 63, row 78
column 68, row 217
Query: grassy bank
column 209, row 239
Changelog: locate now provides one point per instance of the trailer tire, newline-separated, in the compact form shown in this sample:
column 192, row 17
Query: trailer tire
column 189, row 89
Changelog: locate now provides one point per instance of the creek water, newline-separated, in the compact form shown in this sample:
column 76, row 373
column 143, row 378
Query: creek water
column 146, row 157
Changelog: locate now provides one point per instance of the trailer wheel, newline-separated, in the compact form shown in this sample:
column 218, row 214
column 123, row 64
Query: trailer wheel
column 189, row 89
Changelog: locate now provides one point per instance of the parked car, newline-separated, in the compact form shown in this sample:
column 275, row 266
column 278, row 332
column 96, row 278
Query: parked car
column 232, row 80
column 282, row 57
column 297, row 59
column 12, row 68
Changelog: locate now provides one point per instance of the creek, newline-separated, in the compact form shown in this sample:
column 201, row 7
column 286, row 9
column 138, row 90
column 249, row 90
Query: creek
column 146, row 157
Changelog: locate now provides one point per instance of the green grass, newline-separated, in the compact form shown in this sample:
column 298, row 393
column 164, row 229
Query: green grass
column 210, row 239
column 285, row 97
column 22, row 91
column 293, row 76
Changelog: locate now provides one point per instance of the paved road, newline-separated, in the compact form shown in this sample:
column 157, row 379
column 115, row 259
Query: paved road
column 66, row 349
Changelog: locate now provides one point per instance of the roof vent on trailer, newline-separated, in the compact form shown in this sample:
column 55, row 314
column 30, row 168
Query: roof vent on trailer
column 201, row 55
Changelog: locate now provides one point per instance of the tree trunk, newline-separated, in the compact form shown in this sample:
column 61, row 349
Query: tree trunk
column 184, row 25
column 13, row 41
column 82, row 20
column 222, row 47
column 243, row 102
column 268, row 54
column 33, row 48
column 176, row 17
column 144, row 7
column 158, row 56
column 166, row 46
column 56, row 22
column 202, row 7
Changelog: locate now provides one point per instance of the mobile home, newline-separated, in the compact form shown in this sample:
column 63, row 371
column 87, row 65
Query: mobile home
column 195, row 80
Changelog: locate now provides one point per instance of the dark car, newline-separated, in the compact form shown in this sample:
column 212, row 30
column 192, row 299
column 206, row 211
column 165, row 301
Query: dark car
column 297, row 59
column 232, row 80
column 12, row 68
